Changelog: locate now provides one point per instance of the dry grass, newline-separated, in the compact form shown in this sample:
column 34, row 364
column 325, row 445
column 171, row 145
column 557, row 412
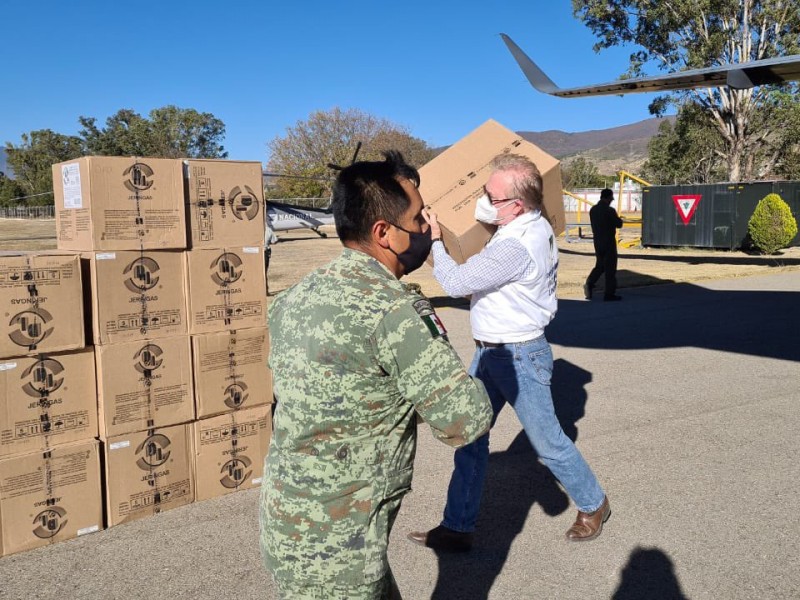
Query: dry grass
column 299, row 251
column 302, row 250
column 27, row 234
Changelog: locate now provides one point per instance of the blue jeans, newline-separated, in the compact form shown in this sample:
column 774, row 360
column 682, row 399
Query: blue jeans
column 519, row 374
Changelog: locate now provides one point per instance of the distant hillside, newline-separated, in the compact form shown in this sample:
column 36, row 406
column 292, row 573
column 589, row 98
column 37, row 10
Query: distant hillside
column 623, row 147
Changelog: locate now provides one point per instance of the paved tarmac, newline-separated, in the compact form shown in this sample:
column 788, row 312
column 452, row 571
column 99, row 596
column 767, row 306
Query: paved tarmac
column 683, row 398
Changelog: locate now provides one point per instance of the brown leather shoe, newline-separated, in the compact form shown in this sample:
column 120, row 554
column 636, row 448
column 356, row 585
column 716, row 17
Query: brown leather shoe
column 443, row 538
column 588, row 526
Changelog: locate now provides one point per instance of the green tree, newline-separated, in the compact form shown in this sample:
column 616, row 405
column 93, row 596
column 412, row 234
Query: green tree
column 784, row 158
column 687, row 34
column 772, row 225
column 331, row 137
column 581, row 173
column 10, row 190
column 169, row 132
column 690, row 150
column 31, row 161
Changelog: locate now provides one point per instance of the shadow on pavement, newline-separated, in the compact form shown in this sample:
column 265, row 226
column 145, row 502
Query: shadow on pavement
column 515, row 481
column 737, row 258
column 754, row 322
column 649, row 574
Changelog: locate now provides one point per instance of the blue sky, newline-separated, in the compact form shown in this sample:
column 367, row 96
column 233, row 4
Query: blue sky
column 436, row 67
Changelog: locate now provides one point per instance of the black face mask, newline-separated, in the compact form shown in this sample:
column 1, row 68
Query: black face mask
column 418, row 249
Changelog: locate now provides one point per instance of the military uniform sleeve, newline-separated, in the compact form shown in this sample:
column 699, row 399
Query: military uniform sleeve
column 412, row 347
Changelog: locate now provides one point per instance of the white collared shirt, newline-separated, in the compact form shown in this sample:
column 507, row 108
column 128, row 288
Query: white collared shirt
column 512, row 280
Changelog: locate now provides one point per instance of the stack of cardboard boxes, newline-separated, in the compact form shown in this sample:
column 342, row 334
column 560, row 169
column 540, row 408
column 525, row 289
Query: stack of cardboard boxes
column 174, row 381
column 126, row 218
column 49, row 457
column 227, row 321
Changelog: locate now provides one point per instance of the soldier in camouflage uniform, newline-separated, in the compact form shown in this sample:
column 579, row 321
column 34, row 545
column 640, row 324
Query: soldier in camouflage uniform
column 356, row 356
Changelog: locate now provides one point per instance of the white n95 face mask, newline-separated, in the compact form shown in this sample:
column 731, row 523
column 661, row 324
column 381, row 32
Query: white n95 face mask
column 486, row 212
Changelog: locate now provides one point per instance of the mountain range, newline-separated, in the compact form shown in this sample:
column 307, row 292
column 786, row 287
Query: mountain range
column 613, row 149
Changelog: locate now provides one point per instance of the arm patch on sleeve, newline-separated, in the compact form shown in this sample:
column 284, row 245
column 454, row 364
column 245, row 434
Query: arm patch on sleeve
column 430, row 318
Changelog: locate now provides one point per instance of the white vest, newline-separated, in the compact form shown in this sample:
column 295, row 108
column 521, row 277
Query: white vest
column 520, row 310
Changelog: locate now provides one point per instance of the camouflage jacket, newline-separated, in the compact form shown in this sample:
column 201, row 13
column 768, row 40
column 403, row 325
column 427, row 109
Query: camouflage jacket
column 355, row 356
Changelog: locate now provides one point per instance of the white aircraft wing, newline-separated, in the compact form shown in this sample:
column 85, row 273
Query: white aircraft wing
column 737, row 76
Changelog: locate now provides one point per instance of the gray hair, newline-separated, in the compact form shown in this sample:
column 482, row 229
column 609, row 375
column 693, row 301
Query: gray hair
column 527, row 179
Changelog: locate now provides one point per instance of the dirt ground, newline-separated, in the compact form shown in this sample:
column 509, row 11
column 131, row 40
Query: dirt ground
column 300, row 251
column 297, row 252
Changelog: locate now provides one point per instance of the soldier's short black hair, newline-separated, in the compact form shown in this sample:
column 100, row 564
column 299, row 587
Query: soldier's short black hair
column 368, row 191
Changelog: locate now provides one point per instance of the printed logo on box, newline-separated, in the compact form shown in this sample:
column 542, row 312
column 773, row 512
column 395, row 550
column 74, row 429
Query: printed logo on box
column 49, row 522
column 236, row 395
column 153, row 452
column 235, row 472
column 143, row 274
column 139, row 177
column 244, row 203
column 42, row 377
column 226, row 269
column 30, row 327
column 148, row 359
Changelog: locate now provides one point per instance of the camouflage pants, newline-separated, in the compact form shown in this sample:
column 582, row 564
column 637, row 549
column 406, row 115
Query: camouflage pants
column 383, row 589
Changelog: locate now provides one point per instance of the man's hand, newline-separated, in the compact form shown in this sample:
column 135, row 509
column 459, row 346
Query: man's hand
column 432, row 220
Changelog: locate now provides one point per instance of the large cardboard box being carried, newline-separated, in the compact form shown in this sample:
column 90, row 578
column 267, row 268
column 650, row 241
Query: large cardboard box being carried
column 452, row 182
column 48, row 497
column 136, row 295
column 227, row 289
column 47, row 400
column 144, row 384
column 225, row 203
column 231, row 371
column 116, row 203
column 229, row 451
column 42, row 302
column 147, row 473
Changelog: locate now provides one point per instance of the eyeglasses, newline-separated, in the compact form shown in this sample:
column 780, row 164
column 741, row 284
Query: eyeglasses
column 496, row 200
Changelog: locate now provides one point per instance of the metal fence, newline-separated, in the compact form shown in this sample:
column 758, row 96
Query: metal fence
column 28, row 212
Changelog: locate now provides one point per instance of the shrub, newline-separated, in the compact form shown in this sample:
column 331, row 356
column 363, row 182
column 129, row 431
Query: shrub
column 772, row 225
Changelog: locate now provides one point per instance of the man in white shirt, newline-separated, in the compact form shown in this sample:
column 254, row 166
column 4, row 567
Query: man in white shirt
column 512, row 284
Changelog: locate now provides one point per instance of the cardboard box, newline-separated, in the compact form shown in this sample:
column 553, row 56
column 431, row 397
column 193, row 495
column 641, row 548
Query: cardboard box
column 452, row 182
column 48, row 497
column 225, row 203
column 231, row 371
column 229, row 451
column 42, row 302
column 144, row 384
column 147, row 473
column 227, row 289
column 119, row 203
column 46, row 401
column 136, row 295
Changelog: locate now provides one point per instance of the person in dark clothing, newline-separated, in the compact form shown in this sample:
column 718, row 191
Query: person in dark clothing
column 605, row 223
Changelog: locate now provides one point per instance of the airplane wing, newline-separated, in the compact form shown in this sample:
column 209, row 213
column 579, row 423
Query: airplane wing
column 737, row 76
